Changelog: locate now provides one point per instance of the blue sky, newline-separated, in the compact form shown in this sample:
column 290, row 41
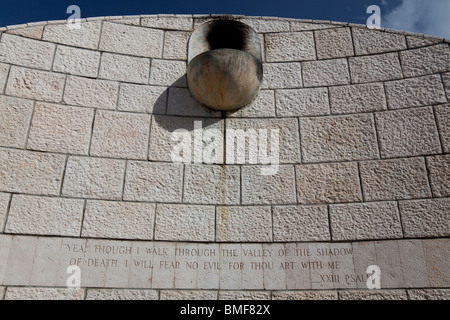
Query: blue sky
column 424, row 16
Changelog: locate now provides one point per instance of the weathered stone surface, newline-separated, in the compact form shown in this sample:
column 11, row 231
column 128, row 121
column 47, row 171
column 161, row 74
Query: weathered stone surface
column 211, row 184
column 282, row 75
column 4, row 70
column 442, row 114
column 244, row 295
column 305, row 295
column 119, row 220
column 439, row 173
column 244, row 224
column 34, row 84
column 120, row 135
column 426, row 218
column 278, row 188
column 32, row 293
column 409, row 132
column 446, row 79
column 168, row 73
column 334, row 43
column 188, row 295
column 302, row 102
column 300, row 223
column 438, row 262
column 129, row 20
column 267, row 25
column 394, row 179
column 306, row 26
column 415, row 92
column 328, row 183
column 362, row 221
column 94, row 178
column 4, row 203
column 121, row 294
column 182, row 103
column 26, row 52
column 429, row 294
column 289, row 145
column 373, row 41
column 162, row 128
column 60, row 128
column 413, row 263
column 86, row 37
column 124, row 68
column 15, row 115
column 184, row 222
column 427, row 60
column 154, row 182
column 262, row 106
column 43, row 215
column 373, row 295
column 30, row 172
column 283, row 47
column 350, row 137
column 325, row 73
column 357, row 98
column 29, row 32
column 80, row 62
column 120, row 38
column 140, row 98
column 373, row 68
column 175, row 45
column 415, row 41
column 170, row 23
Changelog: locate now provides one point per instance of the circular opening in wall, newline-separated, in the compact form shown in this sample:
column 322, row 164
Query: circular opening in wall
column 224, row 64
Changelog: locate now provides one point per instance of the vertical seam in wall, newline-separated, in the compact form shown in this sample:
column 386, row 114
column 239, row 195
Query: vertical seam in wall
column 215, row 223
column 92, row 132
column 401, row 65
column 163, row 44
column 300, row 140
column 329, row 222
column 447, row 94
column 433, row 113
column 85, row 293
column 147, row 155
column 29, row 125
column 428, row 177
column 273, row 232
column 295, row 184
column 100, row 35
column 353, row 41
column 8, row 208
column 63, row 175
column 64, row 89
column 315, row 45
column 400, row 218
column 166, row 107
column 53, row 59
column 183, row 179
column 116, row 103
column 7, row 79
column 124, row 178
column 375, row 126
column 82, row 217
column 154, row 222
column 349, row 71
column 360, row 182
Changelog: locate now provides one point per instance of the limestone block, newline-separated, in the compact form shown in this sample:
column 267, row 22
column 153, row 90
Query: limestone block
column 188, row 295
column 328, row 183
column 121, row 294
column 43, row 215
column 442, row 114
column 439, row 173
column 429, row 294
column 429, row 60
column 438, row 262
column 334, row 43
column 306, row 26
column 244, row 295
column 35, row 84
column 211, row 184
column 26, row 52
column 381, row 67
column 325, row 73
column 141, row 98
column 60, row 128
column 153, row 181
column 267, row 25
column 124, row 68
column 357, row 98
column 80, row 62
column 300, row 223
column 413, row 262
column 302, row 102
column 244, row 224
column 362, row 221
column 374, row 41
column 175, row 45
column 4, row 203
column 29, row 32
column 120, row 135
column 168, row 73
column 119, row 220
column 394, row 179
column 262, row 106
column 349, row 137
column 373, row 295
column 408, row 132
column 131, row 40
column 415, row 92
column 305, row 295
column 30, row 172
column 278, row 188
column 94, row 178
column 15, row 115
column 282, row 75
column 4, row 70
column 446, row 79
column 35, row 293
column 93, row 93
column 184, row 222
column 284, row 47
column 415, row 42
column 85, row 37
column 182, row 103
column 426, row 218
column 170, row 23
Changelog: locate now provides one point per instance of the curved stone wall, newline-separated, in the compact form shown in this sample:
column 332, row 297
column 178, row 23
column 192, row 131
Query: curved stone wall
column 87, row 118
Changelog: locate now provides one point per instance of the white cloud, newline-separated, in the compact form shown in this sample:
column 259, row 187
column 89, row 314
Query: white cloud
column 423, row 16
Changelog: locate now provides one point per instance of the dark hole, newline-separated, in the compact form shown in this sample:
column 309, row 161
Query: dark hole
column 226, row 34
